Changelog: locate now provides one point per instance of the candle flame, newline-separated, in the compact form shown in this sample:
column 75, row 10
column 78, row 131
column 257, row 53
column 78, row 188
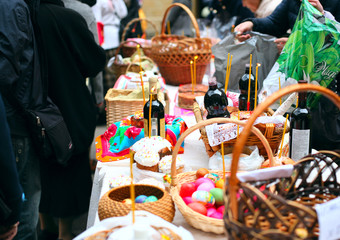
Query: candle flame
column 196, row 57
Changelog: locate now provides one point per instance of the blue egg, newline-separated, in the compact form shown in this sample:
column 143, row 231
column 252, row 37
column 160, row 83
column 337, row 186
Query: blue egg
column 151, row 199
column 140, row 198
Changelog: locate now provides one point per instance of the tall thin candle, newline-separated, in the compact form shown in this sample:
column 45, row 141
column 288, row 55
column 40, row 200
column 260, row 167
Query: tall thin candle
column 140, row 57
column 150, row 115
column 228, row 72
column 248, row 101
column 223, row 161
column 132, row 190
column 257, row 70
column 283, row 136
column 192, row 77
column 195, row 76
column 142, row 83
column 168, row 25
column 238, row 126
column 280, row 89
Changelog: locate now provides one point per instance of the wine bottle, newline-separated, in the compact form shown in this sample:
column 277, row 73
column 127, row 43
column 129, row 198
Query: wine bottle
column 300, row 122
column 157, row 126
column 216, row 101
column 243, row 85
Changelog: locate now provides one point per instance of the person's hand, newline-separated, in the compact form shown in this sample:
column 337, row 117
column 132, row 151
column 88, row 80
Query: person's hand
column 317, row 5
column 10, row 232
column 280, row 43
column 241, row 29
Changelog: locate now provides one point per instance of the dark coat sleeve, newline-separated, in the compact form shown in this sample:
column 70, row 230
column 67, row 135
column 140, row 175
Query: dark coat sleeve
column 275, row 24
column 9, row 179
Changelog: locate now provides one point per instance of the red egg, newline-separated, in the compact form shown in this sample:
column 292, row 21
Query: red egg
column 203, row 180
column 187, row 189
column 211, row 211
column 220, row 209
column 217, row 215
column 198, row 207
column 187, row 200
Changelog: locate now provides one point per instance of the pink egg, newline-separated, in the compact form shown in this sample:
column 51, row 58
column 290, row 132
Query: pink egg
column 211, row 211
column 206, row 186
column 217, row 215
column 202, row 180
column 220, row 209
column 187, row 200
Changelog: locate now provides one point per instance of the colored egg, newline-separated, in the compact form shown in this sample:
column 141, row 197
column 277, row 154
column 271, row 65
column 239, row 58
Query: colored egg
column 202, row 180
column 211, row 211
column 187, row 189
column 213, row 176
column 151, row 199
column 219, row 183
column 220, row 209
column 198, row 207
column 206, row 186
column 127, row 201
column 217, row 193
column 217, row 215
column 201, row 172
column 187, row 200
column 140, row 198
column 203, row 197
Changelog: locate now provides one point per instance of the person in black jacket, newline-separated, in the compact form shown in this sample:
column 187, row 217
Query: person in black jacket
column 71, row 55
column 18, row 67
column 10, row 188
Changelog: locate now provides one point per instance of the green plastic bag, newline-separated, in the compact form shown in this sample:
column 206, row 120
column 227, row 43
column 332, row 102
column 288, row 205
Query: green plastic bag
column 312, row 51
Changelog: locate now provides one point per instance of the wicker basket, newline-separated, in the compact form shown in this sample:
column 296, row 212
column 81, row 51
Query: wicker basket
column 117, row 109
column 173, row 53
column 128, row 50
column 273, row 135
column 270, row 209
column 117, row 68
column 111, row 205
column 195, row 219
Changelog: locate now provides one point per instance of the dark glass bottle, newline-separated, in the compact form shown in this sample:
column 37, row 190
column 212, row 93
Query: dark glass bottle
column 300, row 122
column 243, row 85
column 216, row 101
column 157, row 112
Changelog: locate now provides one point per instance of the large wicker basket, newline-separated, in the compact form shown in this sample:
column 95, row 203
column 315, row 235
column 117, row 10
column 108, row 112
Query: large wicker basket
column 117, row 109
column 173, row 53
column 111, row 205
column 127, row 49
column 195, row 219
column 281, row 208
column 272, row 134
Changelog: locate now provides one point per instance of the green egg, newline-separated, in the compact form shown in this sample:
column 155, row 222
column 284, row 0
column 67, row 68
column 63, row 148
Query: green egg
column 151, row 199
column 218, row 195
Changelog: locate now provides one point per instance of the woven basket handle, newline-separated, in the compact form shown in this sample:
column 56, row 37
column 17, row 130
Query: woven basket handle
column 240, row 143
column 188, row 11
column 137, row 20
column 204, row 123
column 142, row 58
column 121, row 45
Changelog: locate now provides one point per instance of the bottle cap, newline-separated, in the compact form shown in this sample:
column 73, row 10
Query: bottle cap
column 302, row 81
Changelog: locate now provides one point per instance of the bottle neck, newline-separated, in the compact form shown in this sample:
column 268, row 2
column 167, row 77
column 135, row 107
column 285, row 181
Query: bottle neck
column 302, row 99
column 154, row 96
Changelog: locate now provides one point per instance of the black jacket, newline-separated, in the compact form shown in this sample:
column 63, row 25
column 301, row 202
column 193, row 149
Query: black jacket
column 284, row 16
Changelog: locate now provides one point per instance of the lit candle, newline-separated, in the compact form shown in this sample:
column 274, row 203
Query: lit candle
column 195, row 58
column 150, row 114
column 226, row 74
column 283, row 136
column 223, row 161
column 142, row 83
column 192, row 77
column 248, row 102
column 280, row 89
column 257, row 69
column 132, row 189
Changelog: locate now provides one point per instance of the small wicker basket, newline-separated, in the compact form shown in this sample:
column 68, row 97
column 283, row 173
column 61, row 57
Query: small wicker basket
column 273, row 135
column 281, row 208
column 195, row 219
column 173, row 53
column 128, row 50
column 111, row 205
column 117, row 109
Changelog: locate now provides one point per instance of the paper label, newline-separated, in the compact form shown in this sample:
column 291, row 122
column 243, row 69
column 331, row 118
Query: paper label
column 300, row 143
column 328, row 217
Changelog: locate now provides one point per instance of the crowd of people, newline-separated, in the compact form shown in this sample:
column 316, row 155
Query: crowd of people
column 60, row 41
